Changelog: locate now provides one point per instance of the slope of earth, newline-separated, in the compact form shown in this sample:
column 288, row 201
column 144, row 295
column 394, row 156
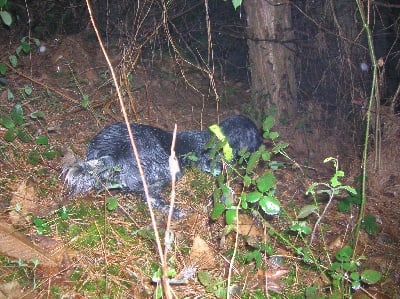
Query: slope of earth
column 54, row 246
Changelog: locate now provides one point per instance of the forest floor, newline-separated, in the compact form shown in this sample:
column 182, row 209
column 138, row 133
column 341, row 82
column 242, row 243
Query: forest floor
column 85, row 250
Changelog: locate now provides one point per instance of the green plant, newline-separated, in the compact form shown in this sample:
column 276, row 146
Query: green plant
column 259, row 190
column 23, row 48
column 332, row 189
column 212, row 285
column 345, row 269
column 156, row 278
column 42, row 226
column 344, row 272
column 28, row 270
column 15, row 125
column 4, row 14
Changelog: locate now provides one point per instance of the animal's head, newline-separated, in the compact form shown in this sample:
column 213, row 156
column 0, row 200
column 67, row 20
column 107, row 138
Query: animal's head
column 239, row 132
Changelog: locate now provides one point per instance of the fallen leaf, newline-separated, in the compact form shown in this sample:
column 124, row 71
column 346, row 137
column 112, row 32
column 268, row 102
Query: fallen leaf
column 336, row 244
column 15, row 245
column 10, row 290
column 24, row 203
column 248, row 227
column 201, row 254
column 271, row 278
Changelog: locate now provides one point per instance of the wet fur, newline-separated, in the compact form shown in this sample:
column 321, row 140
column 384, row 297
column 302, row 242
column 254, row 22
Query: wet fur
column 110, row 162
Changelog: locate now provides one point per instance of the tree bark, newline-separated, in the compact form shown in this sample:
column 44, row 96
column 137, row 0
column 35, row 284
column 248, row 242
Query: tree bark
column 271, row 55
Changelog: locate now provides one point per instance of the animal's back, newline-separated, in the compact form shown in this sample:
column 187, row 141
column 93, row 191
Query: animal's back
column 114, row 141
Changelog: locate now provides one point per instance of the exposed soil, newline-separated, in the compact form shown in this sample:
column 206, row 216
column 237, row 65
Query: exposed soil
column 160, row 95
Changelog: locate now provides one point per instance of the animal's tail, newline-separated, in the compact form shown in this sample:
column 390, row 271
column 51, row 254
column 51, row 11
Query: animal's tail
column 83, row 176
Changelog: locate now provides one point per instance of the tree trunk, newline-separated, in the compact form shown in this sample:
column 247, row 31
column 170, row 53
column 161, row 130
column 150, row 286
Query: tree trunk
column 271, row 55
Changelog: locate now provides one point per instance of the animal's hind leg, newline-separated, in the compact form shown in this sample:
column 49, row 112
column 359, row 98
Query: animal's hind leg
column 159, row 203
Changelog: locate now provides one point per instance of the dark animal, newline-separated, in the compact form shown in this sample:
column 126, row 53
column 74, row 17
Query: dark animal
column 110, row 162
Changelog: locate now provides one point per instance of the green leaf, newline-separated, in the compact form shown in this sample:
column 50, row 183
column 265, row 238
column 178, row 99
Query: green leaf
column 28, row 90
column 38, row 221
column 349, row 267
column 34, row 157
column 253, row 197
column 254, row 255
column 230, row 216
column 63, row 213
column 355, row 276
column 270, row 205
column 25, row 47
column 273, row 135
column 3, row 3
column 306, row 211
column 335, row 179
column 351, row 190
column 275, row 165
column 23, row 135
column 370, row 276
column 37, row 114
column 280, row 146
column 13, row 60
column 50, row 154
column 226, row 148
column 268, row 123
column 344, row 204
column 253, row 161
column 205, row 278
column 311, row 292
column 6, row 17
column 10, row 135
column 220, row 292
column 17, row 114
column 236, row 3
column 344, row 254
column 266, row 182
column 85, row 101
column 266, row 156
column 246, row 181
column 41, row 226
column 355, row 284
column 36, row 41
column 219, row 208
column 369, row 224
column 335, row 266
column 7, row 122
column 112, row 203
column 301, row 227
column 244, row 204
column 42, row 140
column 10, row 95
column 3, row 68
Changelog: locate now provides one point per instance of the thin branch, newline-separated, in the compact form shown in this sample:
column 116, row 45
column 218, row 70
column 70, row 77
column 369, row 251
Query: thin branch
column 135, row 151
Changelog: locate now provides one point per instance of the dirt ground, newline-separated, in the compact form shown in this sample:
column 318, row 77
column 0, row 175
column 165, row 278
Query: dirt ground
column 160, row 95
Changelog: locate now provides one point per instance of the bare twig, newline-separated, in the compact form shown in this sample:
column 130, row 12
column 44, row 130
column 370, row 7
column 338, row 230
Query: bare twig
column 135, row 151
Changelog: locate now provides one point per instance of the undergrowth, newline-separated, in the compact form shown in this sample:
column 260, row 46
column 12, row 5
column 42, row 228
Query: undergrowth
column 116, row 244
column 343, row 272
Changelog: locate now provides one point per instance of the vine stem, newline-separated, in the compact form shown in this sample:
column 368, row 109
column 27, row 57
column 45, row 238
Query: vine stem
column 331, row 196
column 368, row 121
